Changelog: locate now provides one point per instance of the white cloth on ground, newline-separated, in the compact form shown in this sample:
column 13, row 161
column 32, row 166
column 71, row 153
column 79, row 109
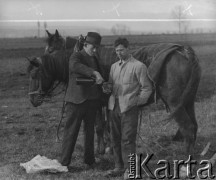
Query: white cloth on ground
column 42, row 163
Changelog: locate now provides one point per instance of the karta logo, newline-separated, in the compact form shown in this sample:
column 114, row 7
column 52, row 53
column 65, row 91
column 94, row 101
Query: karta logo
column 180, row 168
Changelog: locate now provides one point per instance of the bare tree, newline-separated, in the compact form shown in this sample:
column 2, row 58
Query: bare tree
column 38, row 25
column 120, row 29
column 45, row 27
column 179, row 13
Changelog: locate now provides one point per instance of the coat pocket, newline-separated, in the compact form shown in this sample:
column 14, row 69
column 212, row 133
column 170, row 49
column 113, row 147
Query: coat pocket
column 128, row 78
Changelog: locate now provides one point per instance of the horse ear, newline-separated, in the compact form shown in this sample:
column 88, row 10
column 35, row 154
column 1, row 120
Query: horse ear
column 48, row 33
column 81, row 39
column 57, row 33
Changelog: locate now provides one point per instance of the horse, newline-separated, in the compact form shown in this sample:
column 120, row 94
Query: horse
column 175, row 82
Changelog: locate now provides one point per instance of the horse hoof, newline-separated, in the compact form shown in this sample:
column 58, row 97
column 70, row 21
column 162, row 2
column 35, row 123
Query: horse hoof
column 178, row 139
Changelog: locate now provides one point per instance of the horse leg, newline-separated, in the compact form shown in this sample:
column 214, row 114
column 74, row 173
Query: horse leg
column 99, row 127
column 191, row 112
column 186, row 128
column 178, row 136
column 107, row 135
column 108, row 149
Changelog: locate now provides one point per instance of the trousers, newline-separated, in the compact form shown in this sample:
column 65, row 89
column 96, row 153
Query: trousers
column 123, row 134
column 75, row 113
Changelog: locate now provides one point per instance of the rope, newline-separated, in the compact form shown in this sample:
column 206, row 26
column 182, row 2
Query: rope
column 62, row 110
column 62, row 113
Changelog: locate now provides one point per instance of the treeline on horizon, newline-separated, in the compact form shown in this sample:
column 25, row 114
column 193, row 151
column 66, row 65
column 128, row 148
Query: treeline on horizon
column 192, row 39
column 137, row 40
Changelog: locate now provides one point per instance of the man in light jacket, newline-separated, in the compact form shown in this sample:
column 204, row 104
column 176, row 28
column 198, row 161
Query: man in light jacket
column 130, row 88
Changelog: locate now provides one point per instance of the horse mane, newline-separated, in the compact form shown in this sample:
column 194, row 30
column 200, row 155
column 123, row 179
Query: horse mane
column 70, row 42
column 56, row 65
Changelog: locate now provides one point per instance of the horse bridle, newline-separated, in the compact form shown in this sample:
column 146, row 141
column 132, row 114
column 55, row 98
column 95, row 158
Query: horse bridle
column 42, row 72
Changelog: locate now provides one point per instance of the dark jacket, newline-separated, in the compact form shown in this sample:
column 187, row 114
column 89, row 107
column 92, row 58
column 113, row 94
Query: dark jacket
column 82, row 65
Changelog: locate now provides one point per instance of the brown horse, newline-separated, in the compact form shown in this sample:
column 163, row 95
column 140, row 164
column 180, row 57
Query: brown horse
column 176, row 81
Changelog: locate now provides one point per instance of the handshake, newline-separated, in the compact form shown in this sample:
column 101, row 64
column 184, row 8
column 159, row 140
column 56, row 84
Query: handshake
column 98, row 79
column 106, row 86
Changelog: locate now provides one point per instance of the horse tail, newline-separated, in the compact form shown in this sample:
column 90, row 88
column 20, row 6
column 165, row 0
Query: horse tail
column 191, row 88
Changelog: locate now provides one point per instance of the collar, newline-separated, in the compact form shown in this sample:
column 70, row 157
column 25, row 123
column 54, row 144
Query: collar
column 122, row 62
column 84, row 53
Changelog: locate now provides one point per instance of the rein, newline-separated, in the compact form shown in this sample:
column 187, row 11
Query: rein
column 63, row 105
column 64, row 90
column 53, row 88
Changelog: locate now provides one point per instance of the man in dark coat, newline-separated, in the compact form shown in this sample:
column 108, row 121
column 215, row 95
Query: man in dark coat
column 82, row 100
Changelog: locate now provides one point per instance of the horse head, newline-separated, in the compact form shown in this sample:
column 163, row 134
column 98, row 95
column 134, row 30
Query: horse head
column 54, row 42
column 40, row 81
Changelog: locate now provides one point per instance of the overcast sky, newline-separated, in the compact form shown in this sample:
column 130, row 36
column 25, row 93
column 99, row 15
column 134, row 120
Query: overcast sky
column 83, row 12
column 93, row 9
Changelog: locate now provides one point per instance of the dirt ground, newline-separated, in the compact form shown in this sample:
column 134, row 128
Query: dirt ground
column 26, row 131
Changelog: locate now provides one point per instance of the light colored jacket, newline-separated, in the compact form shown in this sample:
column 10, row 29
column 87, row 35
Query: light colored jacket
column 130, row 84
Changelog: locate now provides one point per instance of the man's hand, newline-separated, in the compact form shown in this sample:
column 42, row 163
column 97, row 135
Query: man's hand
column 107, row 87
column 99, row 79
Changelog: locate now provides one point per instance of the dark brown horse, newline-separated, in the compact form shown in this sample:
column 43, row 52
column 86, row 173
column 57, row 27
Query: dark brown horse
column 176, row 78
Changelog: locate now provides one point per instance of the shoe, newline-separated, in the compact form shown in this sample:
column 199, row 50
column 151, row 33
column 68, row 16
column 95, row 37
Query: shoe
column 115, row 172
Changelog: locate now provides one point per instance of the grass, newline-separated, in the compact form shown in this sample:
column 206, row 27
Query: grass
column 26, row 131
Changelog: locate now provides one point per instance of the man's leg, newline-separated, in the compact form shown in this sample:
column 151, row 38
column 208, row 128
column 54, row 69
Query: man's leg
column 74, row 114
column 99, row 128
column 115, row 128
column 91, row 108
column 129, row 131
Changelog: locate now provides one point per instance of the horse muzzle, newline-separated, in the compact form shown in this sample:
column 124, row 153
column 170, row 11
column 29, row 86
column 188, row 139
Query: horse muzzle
column 36, row 99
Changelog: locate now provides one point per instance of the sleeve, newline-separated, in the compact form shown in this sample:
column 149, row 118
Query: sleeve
column 111, row 75
column 76, row 66
column 145, row 85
